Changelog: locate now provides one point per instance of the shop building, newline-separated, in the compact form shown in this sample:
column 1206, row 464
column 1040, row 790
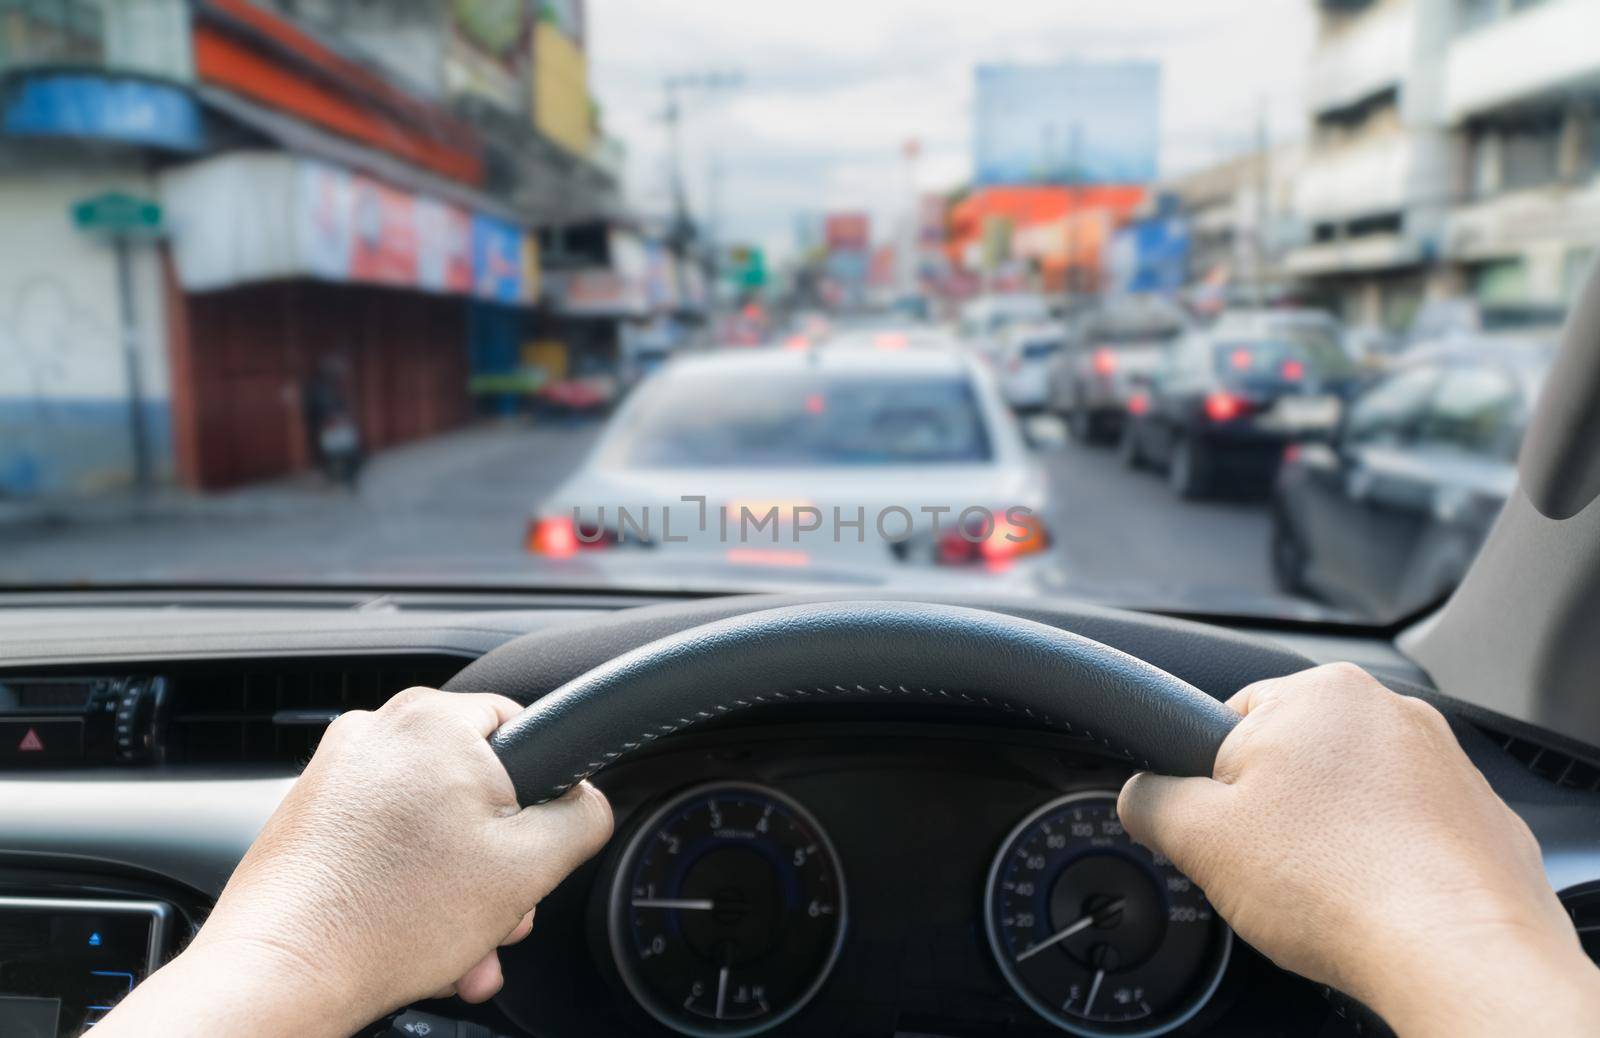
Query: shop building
column 326, row 211
column 1523, row 97
column 1378, row 179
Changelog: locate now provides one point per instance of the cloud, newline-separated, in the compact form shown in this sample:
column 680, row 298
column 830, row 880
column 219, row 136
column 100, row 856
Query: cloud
column 831, row 89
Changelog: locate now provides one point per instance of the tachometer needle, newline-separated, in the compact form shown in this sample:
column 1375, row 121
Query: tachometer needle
column 690, row 904
column 1073, row 928
column 722, row 991
column 1094, row 989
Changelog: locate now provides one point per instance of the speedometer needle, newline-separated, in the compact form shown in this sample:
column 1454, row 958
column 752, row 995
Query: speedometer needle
column 690, row 904
column 1074, row 928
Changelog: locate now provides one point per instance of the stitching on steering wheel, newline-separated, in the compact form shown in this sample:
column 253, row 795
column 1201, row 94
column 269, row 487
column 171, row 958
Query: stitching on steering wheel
column 992, row 703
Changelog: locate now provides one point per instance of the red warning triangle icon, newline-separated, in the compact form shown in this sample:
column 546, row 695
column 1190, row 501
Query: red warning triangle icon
column 31, row 743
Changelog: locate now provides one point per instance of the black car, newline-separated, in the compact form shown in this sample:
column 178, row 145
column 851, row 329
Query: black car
column 1218, row 411
column 1387, row 516
column 1108, row 353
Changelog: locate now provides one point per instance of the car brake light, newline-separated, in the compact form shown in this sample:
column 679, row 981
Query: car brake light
column 1105, row 361
column 1139, row 404
column 1291, row 453
column 1293, row 370
column 556, row 537
column 1241, row 360
column 797, row 342
column 889, row 341
column 1222, row 407
column 815, row 404
column 1006, row 541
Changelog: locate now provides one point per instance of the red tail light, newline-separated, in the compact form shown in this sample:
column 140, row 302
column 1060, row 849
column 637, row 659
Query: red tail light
column 1291, row 453
column 1139, row 404
column 797, row 342
column 1293, row 371
column 556, row 537
column 1223, row 407
column 1005, row 542
column 1241, row 360
column 1104, row 361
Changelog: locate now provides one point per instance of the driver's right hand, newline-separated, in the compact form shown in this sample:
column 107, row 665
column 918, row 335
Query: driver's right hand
column 1346, row 835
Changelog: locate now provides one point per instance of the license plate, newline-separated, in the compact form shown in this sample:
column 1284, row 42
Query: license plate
column 1297, row 413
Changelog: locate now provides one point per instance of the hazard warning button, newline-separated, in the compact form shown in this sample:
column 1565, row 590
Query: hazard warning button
column 40, row 742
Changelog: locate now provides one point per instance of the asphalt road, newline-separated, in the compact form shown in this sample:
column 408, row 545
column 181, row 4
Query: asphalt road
column 455, row 506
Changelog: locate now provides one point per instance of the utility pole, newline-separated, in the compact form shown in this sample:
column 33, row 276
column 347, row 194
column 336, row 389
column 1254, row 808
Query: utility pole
column 1074, row 276
column 683, row 231
column 673, row 87
column 1263, row 201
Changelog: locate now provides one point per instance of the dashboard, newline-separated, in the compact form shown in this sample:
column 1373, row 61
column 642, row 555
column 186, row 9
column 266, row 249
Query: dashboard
column 839, row 870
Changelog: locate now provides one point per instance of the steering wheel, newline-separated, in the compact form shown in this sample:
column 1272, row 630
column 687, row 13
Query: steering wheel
column 877, row 652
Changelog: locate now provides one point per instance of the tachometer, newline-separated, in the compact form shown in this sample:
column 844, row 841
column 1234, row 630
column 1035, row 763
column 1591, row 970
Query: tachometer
column 1095, row 933
column 728, row 910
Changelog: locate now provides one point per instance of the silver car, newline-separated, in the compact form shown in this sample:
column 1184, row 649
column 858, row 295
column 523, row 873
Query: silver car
column 835, row 465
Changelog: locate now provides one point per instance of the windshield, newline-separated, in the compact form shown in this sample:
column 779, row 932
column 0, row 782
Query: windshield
column 311, row 293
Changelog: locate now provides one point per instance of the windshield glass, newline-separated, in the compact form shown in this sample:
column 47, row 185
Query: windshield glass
column 327, row 293
column 795, row 420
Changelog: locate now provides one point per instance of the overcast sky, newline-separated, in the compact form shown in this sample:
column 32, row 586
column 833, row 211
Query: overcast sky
column 832, row 88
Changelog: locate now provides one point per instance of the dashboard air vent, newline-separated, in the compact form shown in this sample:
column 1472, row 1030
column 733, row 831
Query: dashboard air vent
column 276, row 710
column 1561, row 768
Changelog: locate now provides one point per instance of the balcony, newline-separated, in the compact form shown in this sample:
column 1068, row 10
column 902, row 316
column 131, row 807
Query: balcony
column 1369, row 175
column 1509, row 223
column 1537, row 51
column 1353, row 256
column 1361, row 59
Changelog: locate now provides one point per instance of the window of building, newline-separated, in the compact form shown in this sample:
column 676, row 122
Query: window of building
column 1531, row 153
column 1473, row 14
column 51, row 31
column 1502, row 281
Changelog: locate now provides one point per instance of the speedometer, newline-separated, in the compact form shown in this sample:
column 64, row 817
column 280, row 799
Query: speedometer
column 1095, row 933
column 728, row 910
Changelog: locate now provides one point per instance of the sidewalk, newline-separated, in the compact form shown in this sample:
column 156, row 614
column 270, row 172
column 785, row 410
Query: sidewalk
column 396, row 476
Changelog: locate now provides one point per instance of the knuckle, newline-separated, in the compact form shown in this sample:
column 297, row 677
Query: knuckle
column 408, row 699
column 348, row 724
column 1345, row 672
column 597, row 813
column 1423, row 712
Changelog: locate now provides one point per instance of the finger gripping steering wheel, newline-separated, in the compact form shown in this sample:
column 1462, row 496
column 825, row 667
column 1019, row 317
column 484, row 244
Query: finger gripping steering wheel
column 877, row 652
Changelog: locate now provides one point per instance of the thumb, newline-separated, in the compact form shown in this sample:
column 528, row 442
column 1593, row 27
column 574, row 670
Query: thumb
column 1176, row 817
column 559, row 835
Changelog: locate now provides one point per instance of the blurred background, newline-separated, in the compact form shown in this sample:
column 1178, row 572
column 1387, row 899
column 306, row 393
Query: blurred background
column 1247, row 302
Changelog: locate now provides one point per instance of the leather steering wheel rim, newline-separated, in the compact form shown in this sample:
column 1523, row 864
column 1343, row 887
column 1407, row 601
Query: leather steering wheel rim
column 878, row 652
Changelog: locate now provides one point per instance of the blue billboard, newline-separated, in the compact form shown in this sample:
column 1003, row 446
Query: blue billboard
column 1074, row 122
column 1151, row 255
column 87, row 104
column 496, row 259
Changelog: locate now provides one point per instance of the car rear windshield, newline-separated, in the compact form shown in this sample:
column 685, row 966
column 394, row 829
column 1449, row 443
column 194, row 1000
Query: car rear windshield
column 783, row 420
column 1141, row 322
column 1291, row 355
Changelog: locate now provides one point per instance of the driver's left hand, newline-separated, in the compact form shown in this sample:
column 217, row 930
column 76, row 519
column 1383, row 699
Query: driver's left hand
column 399, row 862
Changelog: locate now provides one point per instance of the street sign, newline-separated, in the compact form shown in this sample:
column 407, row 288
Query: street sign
column 124, row 221
column 115, row 214
column 747, row 267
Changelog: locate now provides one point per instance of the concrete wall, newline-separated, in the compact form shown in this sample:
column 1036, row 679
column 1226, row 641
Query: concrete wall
column 64, row 414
